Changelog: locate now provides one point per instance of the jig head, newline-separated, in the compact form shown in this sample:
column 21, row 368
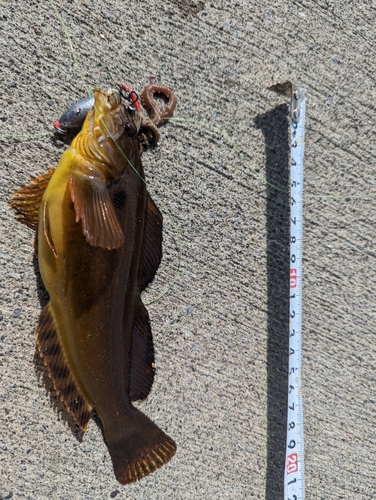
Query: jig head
column 74, row 116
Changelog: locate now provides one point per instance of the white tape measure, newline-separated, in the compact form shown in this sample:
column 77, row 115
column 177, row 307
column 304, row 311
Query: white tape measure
column 294, row 464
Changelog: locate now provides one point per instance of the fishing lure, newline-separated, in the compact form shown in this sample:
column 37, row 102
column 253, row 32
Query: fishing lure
column 99, row 244
column 74, row 116
column 149, row 135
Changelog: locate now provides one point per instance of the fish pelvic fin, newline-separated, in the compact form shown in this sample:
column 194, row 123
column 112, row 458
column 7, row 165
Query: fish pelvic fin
column 58, row 370
column 152, row 246
column 142, row 449
column 26, row 201
column 142, row 364
column 94, row 207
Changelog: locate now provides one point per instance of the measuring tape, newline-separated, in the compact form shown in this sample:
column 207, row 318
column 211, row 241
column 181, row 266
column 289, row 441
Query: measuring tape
column 294, row 463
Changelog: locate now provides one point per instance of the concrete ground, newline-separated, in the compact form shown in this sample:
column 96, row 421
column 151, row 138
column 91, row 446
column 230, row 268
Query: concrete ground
column 221, row 334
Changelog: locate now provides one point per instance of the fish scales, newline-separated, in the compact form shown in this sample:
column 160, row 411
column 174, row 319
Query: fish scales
column 99, row 245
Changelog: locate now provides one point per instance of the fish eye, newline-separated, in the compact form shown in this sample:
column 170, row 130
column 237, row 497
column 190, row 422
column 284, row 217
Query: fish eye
column 130, row 129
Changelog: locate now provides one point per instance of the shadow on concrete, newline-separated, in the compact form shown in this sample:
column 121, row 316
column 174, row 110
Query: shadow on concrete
column 275, row 126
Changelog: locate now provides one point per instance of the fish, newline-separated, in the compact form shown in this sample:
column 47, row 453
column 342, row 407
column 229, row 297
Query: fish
column 99, row 244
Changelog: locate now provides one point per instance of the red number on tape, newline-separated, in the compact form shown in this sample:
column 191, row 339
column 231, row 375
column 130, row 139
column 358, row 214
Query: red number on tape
column 293, row 278
column 292, row 463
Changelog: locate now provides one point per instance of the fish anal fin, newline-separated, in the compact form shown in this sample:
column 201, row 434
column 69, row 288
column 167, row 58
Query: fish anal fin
column 152, row 246
column 142, row 360
column 51, row 352
column 142, row 449
column 26, row 201
column 94, row 207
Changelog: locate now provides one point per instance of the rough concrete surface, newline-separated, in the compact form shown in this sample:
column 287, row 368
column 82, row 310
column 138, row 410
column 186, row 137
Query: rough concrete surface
column 221, row 334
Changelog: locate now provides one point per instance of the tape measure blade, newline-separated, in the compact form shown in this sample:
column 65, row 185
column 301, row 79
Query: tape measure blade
column 294, row 465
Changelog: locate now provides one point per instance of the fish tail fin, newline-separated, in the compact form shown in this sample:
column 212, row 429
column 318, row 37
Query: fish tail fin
column 140, row 450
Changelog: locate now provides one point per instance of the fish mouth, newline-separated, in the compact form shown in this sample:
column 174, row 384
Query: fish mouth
column 107, row 100
column 112, row 103
column 110, row 139
column 110, row 112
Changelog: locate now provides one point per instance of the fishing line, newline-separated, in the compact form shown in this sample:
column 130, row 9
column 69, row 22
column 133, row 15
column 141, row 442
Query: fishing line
column 180, row 246
column 28, row 136
column 164, row 206
column 73, row 53
column 203, row 124
column 233, row 146
column 254, row 172
column 341, row 196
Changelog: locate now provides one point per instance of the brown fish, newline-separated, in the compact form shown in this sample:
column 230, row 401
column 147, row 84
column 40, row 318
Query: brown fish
column 99, row 237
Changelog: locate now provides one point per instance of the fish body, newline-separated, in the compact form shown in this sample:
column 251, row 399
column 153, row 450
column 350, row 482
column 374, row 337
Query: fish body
column 99, row 245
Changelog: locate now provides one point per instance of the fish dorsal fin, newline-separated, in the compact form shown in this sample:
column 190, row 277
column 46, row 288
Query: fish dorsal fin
column 51, row 352
column 152, row 246
column 142, row 361
column 26, row 201
column 94, row 207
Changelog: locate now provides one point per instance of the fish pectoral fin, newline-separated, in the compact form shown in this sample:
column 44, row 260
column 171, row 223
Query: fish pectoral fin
column 94, row 207
column 46, row 230
column 58, row 370
column 26, row 201
column 142, row 361
column 152, row 246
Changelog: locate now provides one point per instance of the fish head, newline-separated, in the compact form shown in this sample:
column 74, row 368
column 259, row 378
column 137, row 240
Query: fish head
column 113, row 127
